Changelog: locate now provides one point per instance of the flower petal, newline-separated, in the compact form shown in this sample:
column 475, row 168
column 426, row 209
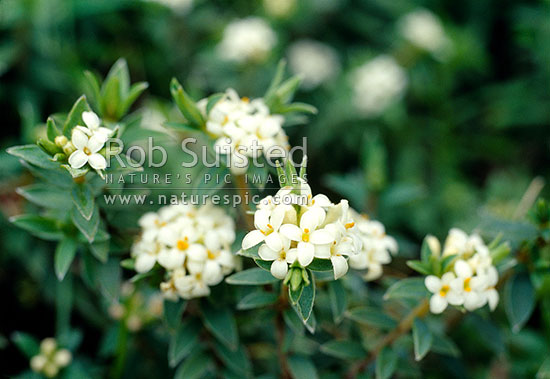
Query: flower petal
column 96, row 143
column 463, row 269
column 339, row 265
column 306, row 252
column 267, row 254
column 144, row 262
column 292, row 232
column 432, row 283
column 277, row 217
column 79, row 139
column 261, row 219
column 437, row 304
column 321, row 237
column 252, row 239
column 310, row 219
column 97, row 161
column 90, row 119
column 78, row 159
column 279, row 268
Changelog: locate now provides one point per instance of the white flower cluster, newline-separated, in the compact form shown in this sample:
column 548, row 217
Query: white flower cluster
column 244, row 129
column 50, row 360
column 377, row 247
column 300, row 227
column 314, row 61
column 247, row 40
column 191, row 243
column 472, row 278
column 377, row 84
column 87, row 141
column 424, row 30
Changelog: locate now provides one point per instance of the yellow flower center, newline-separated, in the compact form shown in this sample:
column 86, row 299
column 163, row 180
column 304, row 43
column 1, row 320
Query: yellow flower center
column 159, row 223
column 245, row 99
column 211, row 255
column 305, row 235
column 268, row 231
column 444, row 290
column 183, row 244
column 350, row 225
column 467, row 287
column 87, row 151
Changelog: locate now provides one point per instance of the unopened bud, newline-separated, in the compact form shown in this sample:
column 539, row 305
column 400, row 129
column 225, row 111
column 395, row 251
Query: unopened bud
column 38, row 362
column 434, row 245
column 63, row 357
column 296, row 279
column 48, row 346
column 61, row 141
column 69, row 148
column 50, row 370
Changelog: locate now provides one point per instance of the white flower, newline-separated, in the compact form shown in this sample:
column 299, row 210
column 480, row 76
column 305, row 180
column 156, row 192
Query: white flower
column 243, row 129
column 267, row 229
column 87, row 150
column 191, row 243
column 249, row 39
column 50, row 360
column 443, row 294
column 281, row 258
column 314, row 61
column 490, row 293
column 376, row 247
column 468, row 286
column 307, row 235
column 377, row 84
column 423, row 29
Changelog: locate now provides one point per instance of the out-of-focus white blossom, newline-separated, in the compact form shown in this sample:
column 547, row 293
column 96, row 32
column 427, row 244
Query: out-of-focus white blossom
column 424, row 29
column 377, row 84
column 294, row 229
column 51, row 359
column 377, row 247
column 470, row 279
column 243, row 129
column 247, row 40
column 314, row 61
column 191, row 243
column 279, row 8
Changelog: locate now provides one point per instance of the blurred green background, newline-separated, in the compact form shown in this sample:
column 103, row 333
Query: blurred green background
column 460, row 147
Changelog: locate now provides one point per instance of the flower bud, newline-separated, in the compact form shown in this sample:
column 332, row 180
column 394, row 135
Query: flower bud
column 134, row 323
column 50, row 370
column 48, row 146
column 296, row 279
column 48, row 346
column 434, row 245
column 69, row 148
column 63, row 357
column 61, row 141
column 38, row 362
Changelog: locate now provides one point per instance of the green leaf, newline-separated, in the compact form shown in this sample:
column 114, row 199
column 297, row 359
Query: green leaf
column 135, row 91
column 422, row 338
column 302, row 367
column 76, row 172
column 519, row 300
column 347, row 350
column 108, row 276
column 423, row 268
column 286, row 90
column 182, row 342
column 83, row 200
column 425, row 251
column 338, row 300
column 87, row 227
column 111, row 98
column 237, row 360
column 446, row 262
column 64, row 256
column 92, row 89
column 64, row 299
column 409, row 288
column 294, row 295
column 306, row 301
column 275, row 82
column 281, row 175
column 39, row 226
column 186, row 105
column 45, row 196
column 319, row 264
column 293, row 321
column 264, row 265
column 251, row 277
column 213, row 100
column 75, row 116
column 33, row 155
column 222, row 325
column 26, row 343
column 51, row 129
column 371, row 316
column 100, row 250
column 195, row 366
column 173, row 310
column 444, row 345
column 257, row 299
column 297, row 108
column 386, row 363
